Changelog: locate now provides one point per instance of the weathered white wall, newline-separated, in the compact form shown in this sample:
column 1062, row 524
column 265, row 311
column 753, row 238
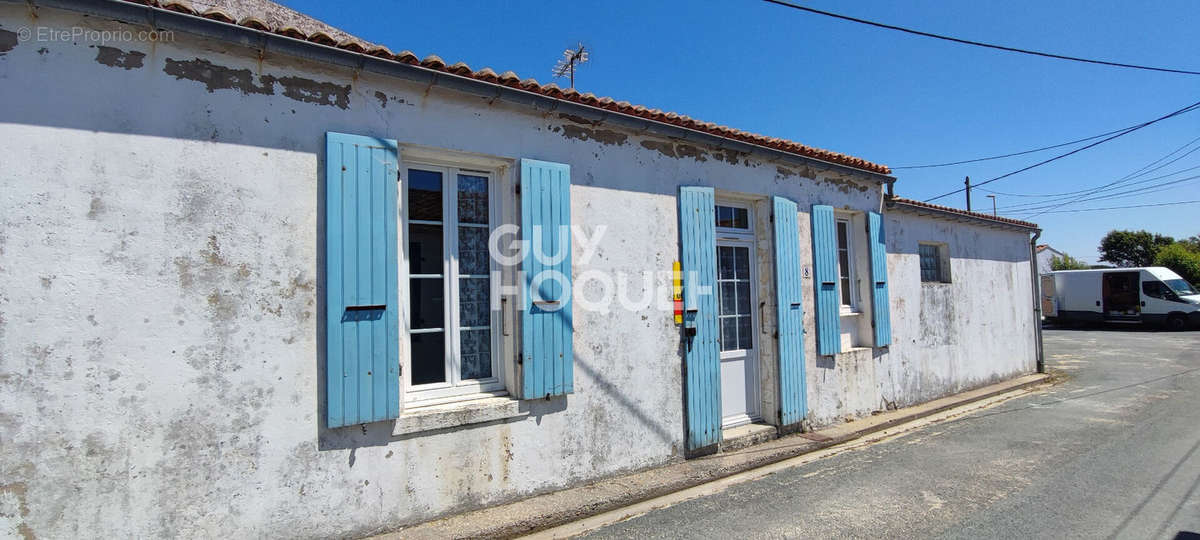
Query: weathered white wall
column 160, row 372
column 976, row 330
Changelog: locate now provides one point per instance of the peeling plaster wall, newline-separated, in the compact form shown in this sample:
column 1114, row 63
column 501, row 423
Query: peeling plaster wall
column 160, row 297
column 976, row 330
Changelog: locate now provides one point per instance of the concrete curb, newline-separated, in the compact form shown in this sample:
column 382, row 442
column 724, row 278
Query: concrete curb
column 559, row 507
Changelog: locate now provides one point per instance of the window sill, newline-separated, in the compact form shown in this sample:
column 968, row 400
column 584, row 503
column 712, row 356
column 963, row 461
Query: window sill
column 849, row 313
column 457, row 414
column 855, row 351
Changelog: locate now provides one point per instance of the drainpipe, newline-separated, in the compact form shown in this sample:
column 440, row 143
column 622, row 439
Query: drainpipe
column 1037, row 301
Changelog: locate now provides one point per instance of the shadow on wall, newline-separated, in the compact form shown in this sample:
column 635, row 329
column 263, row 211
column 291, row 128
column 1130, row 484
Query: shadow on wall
column 906, row 231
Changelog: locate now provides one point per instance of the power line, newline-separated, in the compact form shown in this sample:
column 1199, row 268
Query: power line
column 978, row 43
column 1147, row 169
column 1120, row 207
column 1121, row 194
column 1021, row 153
column 1075, row 151
column 1101, row 189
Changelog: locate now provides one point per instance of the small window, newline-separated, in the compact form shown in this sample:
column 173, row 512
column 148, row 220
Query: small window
column 845, row 253
column 733, row 217
column 935, row 263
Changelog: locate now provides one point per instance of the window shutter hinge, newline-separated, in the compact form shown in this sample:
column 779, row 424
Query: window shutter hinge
column 518, row 188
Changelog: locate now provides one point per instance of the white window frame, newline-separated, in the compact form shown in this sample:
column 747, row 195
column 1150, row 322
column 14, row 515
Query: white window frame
column 852, row 307
column 449, row 164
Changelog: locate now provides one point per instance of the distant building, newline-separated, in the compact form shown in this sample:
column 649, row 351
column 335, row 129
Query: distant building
column 1045, row 254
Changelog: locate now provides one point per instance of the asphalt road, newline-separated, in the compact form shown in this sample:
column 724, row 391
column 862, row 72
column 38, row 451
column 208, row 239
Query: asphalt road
column 1112, row 452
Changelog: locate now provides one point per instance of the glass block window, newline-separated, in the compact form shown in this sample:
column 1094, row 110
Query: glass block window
column 932, row 263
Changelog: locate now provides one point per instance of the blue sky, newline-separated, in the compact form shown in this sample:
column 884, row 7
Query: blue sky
column 884, row 96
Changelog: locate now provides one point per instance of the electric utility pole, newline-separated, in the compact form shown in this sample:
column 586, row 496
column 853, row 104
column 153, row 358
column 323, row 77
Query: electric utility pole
column 968, row 182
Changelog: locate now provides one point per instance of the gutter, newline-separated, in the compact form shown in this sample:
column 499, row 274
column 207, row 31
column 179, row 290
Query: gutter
column 1037, row 301
column 266, row 42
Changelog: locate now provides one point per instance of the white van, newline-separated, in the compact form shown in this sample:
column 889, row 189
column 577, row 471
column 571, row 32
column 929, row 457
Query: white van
column 1153, row 295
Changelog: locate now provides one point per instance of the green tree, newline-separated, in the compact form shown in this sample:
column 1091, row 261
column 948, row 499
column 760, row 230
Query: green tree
column 1192, row 242
column 1132, row 248
column 1067, row 262
column 1182, row 259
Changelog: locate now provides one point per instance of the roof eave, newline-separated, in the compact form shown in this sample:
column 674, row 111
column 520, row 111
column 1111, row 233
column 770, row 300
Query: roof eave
column 959, row 215
column 269, row 42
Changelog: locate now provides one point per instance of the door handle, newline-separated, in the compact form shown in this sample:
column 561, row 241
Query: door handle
column 545, row 302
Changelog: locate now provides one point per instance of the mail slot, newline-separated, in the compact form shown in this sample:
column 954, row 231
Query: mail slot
column 370, row 307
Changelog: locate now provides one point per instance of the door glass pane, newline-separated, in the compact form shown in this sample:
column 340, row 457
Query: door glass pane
column 728, row 298
column 733, row 282
column 745, row 334
column 724, row 216
column 426, row 301
column 428, row 358
column 725, row 262
column 424, row 195
column 729, row 336
column 476, row 348
column 741, row 265
column 845, row 286
column 473, row 250
column 473, row 302
column 424, row 249
column 732, row 217
column 741, row 218
column 472, row 199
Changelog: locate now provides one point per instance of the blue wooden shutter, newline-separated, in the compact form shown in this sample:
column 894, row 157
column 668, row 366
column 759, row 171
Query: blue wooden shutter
column 546, row 326
column 790, row 312
column 825, row 278
column 879, row 281
column 697, row 235
column 362, row 358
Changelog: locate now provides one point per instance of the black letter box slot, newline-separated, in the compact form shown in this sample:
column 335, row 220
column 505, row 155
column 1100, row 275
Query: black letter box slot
column 370, row 312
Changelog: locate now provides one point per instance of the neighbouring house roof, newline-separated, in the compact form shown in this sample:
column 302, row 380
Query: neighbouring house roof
column 266, row 16
column 918, row 206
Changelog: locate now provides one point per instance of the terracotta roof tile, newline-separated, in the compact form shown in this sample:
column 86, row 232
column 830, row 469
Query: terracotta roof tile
column 255, row 23
column 952, row 210
column 381, row 51
column 292, row 32
column 511, row 79
column 352, row 45
column 460, row 68
column 433, row 61
column 181, row 7
column 322, row 38
column 486, row 74
column 218, row 14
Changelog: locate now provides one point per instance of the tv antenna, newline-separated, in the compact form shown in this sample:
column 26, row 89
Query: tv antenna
column 571, row 57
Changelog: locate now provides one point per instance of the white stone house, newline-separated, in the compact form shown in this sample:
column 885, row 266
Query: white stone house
column 247, row 282
column 1045, row 256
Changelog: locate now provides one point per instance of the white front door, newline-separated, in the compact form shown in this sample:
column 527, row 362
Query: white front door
column 736, row 284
